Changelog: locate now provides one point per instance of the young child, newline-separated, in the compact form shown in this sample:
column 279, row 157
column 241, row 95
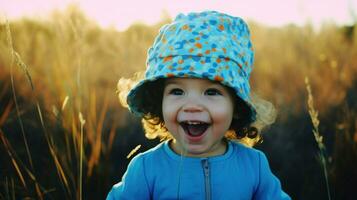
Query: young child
column 196, row 97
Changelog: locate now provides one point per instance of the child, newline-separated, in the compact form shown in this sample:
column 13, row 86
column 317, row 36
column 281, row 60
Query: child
column 196, row 97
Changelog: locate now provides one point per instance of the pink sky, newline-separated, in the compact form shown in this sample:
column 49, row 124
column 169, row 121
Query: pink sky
column 122, row 13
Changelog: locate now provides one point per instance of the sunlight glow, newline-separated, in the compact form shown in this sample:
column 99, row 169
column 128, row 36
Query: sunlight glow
column 122, row 13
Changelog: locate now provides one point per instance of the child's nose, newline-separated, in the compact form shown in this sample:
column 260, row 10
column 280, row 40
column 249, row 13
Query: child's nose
column 193, row 102
column 192, row 106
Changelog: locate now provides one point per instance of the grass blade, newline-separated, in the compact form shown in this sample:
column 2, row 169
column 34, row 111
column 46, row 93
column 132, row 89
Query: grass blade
column 82, row 121
column 318, row 138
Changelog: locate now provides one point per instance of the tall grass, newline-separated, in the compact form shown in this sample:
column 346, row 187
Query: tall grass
column 16, row 58
column 62, row 69
column 318, row 137
column 63, row 133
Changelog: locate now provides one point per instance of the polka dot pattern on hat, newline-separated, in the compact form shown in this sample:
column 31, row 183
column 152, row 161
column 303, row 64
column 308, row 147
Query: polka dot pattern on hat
column 209, row 45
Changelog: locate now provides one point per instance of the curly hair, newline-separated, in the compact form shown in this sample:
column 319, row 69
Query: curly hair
column 242, row 128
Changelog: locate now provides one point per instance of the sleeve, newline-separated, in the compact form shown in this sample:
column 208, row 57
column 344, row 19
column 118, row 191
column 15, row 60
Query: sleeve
column 133, row 185
column 269, row 186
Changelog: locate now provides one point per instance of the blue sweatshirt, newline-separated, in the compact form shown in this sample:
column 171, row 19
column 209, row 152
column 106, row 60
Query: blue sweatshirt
column 241, row 173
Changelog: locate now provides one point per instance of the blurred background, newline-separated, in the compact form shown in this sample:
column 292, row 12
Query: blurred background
column 64, row 135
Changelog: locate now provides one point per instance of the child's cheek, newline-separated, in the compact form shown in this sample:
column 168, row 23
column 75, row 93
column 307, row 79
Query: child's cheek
column 221, row 121
column 169, row 112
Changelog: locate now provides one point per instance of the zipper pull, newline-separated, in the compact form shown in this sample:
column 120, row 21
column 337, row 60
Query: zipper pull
column 205, row 166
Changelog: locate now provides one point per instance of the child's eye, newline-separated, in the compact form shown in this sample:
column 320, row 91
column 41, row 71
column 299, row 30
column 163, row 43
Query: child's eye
column 212, row 92
column 176, row 91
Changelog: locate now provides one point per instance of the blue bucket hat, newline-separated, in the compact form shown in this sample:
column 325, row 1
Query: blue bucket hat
column 208, row 45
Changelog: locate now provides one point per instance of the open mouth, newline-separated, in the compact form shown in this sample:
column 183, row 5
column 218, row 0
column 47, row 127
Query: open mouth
column 194, row 128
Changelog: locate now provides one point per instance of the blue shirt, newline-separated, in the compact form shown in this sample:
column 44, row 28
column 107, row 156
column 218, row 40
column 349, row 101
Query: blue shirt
column 241, row 173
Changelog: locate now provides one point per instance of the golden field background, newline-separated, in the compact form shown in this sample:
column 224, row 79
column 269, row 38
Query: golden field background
column 58, row 105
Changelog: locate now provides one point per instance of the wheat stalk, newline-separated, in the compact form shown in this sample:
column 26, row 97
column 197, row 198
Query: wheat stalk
column 318, row 138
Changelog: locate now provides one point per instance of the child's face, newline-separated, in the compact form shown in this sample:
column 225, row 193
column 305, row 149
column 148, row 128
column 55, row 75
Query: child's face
column 197, row 112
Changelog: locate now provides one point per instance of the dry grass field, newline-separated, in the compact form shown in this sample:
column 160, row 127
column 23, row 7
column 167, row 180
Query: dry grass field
column 63, row 134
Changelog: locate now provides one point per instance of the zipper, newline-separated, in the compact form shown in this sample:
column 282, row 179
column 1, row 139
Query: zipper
column 206, row 172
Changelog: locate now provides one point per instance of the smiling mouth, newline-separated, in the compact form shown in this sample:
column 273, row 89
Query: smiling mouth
column 194, row 128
